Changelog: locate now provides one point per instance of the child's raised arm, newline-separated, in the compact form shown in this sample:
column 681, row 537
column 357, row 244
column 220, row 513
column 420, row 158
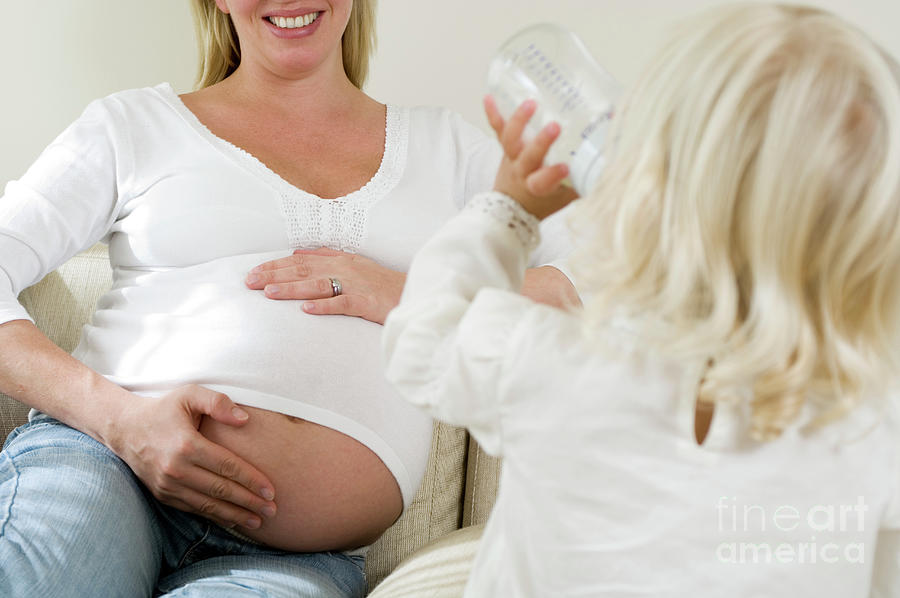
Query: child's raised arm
column 522, row 174
column 448, row 345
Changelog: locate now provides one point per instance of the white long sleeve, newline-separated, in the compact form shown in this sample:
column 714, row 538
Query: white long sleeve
column 447, row 341
column 63, row 204
column 604, row 491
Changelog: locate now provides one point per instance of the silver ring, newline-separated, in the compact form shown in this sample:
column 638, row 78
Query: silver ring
column 336, row 288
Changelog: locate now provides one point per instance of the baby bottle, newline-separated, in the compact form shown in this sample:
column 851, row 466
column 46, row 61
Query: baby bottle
column 552, row 66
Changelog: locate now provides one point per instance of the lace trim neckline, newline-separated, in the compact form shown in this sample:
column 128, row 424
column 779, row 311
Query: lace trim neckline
column 385, row 178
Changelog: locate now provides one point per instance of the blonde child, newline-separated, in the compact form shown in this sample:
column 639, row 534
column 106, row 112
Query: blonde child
column 718, row 420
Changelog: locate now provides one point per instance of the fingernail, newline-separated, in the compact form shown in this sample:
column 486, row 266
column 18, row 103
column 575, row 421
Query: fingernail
column 252, row 278
column 272, row 289
column 253, row 523
column 309, row 306
column 268, row 511
column 239, row 413
column 256, row 269
column 267, row 493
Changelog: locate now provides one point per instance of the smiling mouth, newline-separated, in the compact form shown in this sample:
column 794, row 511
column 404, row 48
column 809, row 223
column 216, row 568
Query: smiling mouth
column 293, row 22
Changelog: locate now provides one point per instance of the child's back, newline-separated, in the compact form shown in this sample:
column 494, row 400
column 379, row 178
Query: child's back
column 740, row 258
column 605, row 491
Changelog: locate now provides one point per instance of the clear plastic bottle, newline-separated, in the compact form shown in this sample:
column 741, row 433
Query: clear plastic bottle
column 552, row 66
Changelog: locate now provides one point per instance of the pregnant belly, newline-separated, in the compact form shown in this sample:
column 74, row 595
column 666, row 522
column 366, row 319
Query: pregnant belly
column 331, row 492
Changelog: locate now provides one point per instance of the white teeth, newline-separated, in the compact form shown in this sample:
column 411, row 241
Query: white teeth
column 294, row 22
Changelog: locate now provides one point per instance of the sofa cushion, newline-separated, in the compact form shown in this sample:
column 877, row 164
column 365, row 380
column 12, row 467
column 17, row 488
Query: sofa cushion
column 436, row 509
column 439, row 570
column 482, row 481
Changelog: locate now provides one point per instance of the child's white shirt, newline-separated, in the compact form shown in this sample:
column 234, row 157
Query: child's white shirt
column 604, row 491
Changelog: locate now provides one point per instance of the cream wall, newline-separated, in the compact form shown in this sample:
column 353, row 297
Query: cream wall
column 58, row 55
column 436, row 52
column 67, row 52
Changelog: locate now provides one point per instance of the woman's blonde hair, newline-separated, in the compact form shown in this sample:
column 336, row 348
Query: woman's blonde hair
column 749, row 220
column 220, row 51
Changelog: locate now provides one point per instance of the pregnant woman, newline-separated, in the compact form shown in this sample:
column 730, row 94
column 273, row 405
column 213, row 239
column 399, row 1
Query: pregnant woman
column 205, row 439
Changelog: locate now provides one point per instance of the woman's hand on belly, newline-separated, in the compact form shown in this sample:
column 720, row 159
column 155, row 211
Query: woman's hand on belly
column 368, row 289
column 159, row 440
column 333, row 492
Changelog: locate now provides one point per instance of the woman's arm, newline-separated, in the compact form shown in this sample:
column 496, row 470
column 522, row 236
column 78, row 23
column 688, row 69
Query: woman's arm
column 67, row 201
column 369, row 290
column 73, row 393
column 550, row 286
column 156, row 437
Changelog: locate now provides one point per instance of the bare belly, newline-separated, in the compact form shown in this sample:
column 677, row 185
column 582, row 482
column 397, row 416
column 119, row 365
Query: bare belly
column 331, row 492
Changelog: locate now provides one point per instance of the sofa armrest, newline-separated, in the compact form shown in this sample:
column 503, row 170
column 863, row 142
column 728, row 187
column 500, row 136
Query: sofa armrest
column 12, row 415
column 482, row 480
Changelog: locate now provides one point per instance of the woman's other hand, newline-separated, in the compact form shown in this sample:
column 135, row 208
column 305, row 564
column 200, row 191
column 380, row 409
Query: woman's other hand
column 368, row 290
column 522, row 174
column 159, row 439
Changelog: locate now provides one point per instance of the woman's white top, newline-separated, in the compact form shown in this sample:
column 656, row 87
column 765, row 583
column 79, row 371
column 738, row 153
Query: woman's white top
column 187, row 215
column 604, row 491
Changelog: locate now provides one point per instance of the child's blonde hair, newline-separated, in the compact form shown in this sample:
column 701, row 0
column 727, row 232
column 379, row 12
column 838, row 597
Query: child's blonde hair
column 750, row 215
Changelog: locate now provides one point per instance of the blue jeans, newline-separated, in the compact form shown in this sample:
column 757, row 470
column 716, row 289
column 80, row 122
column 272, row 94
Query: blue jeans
column 75, row 521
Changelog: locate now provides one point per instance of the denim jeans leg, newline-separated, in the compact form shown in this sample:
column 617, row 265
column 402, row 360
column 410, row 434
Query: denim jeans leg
column 74, row 520
column 268, row 574
column 219, row 564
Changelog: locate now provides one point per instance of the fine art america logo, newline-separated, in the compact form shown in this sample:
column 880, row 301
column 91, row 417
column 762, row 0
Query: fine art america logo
column 785, row 534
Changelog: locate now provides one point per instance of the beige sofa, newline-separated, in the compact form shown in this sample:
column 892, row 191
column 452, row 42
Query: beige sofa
column 437, row 535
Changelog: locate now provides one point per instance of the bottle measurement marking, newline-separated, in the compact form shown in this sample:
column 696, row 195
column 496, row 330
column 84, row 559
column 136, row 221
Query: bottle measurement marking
column 552, row 76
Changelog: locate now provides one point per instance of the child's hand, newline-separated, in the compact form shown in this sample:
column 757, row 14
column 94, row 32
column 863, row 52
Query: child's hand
column 522, row 174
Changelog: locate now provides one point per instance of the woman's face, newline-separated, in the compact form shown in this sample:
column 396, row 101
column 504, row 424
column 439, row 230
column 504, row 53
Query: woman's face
column 290, row 38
